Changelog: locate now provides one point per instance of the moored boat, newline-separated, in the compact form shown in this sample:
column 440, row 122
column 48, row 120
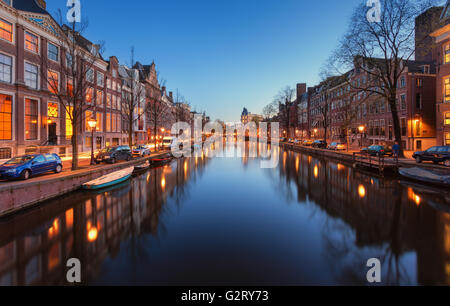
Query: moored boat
column 163, row 160
column 141, row 168
column 425, row 176
column 109, row 179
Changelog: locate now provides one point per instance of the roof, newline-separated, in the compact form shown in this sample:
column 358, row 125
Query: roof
column 29, row 6
column 82, row 41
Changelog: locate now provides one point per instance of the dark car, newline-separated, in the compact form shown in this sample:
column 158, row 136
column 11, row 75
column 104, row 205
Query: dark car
column 24, row 167
column 114, row 154
column 434, row 154
column 319, row 144
column 378, row 150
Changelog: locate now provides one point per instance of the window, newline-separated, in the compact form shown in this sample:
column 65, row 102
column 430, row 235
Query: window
column 108, row 83
column 403, row 102
column 419, row 82
column 52, row 110
column 69, row 88
column 88, row 116
column 31, row 119
column 89, row 95
column 53, row 82
column 447, row 139
column 90, row 75
column 5, row 117
column 418, row 101
column 114, row 101
column 447, row 90
column 69, row 126
column 31, row 76
column 108, row 101
column 6, row 30
column 5, row 68
column 403, row 126
column 69, row 60
column 99, row 122
column 31, row 42
column 447, row 118
column 53, row 52
column 114, row 123
column 447, row 54
column 100, row 79
column 100, row 98
column 108, row 122
column 5, row 153
column 402, row 82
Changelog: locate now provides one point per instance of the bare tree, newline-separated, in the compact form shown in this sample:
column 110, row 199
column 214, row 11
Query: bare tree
column 133, row 103
column 381, row 49
column 157, row 110
column 181, row 109
column 270, row 111
column 71, row 81
column 284, row 100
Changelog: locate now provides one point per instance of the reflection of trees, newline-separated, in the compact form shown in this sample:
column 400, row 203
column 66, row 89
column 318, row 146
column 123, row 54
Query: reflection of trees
column 365, row 217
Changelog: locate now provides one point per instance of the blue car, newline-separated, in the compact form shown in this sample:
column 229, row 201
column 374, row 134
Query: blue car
column 23, row 167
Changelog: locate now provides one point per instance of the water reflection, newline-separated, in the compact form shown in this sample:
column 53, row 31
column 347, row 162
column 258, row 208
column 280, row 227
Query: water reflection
column 227, row 221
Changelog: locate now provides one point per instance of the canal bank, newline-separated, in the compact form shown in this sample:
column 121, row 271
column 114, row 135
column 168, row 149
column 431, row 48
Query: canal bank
column 20, row 195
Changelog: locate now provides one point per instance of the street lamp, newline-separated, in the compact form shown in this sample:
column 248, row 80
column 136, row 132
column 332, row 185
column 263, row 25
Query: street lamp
column 92, row 124
column 315, row 133
column 361, row 130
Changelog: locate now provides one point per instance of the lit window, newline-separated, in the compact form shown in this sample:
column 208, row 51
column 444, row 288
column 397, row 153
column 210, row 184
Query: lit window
column 108, row 122
column 99, row 98
column 447, row 139
column 447, row 54
column 5, row 117
column 5, row 68
column 69, row 88
column 447, row 90
column 53, row 111
column 447, row 118
column 69, row 126
column 89, row 95
column 53, row 52
column 99, row 122
column 31, row 76
column 108, row 101
column 53, row 82
column 6, row 30
column 31, row 42
column 88, row 116
column 31, row 119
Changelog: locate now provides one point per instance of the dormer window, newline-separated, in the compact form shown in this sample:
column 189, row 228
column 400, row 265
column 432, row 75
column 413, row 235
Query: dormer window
column 9, row 2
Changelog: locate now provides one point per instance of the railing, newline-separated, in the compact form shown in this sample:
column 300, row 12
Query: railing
column 375, row 162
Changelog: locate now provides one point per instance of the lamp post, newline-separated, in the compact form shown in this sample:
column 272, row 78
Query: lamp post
column 361, row 130
column 315, row 133
column 92, row 124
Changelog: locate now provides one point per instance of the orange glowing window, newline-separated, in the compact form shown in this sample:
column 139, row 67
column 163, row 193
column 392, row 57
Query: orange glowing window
column 53, row 82
column 89, row 95
column 53, row 111
column 6, row 30
column 99, row 98
column 54, row 256
column 5, row 117
column 31, row 42
column 447, row 118
column 69, row 126
column 69, row 88
column 31, row 119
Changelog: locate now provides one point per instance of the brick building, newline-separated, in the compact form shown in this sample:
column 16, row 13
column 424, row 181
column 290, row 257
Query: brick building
column 441, row 55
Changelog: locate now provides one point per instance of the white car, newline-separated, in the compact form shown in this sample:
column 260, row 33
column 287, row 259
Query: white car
column 140, row 151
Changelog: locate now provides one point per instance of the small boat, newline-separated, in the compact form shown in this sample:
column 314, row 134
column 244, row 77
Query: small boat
column 425, row 176
column 141, row 168
column 110, row 179
column 163, row 160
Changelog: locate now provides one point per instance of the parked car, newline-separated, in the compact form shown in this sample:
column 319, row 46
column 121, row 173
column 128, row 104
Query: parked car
column 434, row 154
column 378, row 150
column 113, row 154
column 337, row 146
column 297, row 142
column 167, row 142
column 140, row 151
column 319, row 144
column 23, row 167
column 283, row 140
column 291, row 140
column 308, row 143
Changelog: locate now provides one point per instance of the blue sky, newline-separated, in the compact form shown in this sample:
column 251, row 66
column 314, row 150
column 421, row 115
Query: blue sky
column 222, row 55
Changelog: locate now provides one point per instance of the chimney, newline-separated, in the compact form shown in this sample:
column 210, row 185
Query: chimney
column 163, row 90
column 171, row 95
column 301, row 89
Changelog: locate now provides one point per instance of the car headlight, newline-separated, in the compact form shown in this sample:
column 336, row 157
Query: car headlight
column 11, row 171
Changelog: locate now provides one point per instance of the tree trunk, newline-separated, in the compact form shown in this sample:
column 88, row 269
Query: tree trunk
column 130, row 133
column 396, row 123
column 74, row 144
column 154, row 135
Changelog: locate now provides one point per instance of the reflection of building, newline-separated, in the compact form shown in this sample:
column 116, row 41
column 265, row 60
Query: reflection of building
column 379, row 212
column 35, row 247
column 247, row 117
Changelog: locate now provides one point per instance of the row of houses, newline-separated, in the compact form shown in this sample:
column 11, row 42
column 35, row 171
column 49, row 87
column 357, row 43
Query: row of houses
column 338, row 110
column 32, row 118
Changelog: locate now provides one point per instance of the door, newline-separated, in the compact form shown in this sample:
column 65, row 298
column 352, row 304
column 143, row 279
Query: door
column 38, row 165
column 52, row 137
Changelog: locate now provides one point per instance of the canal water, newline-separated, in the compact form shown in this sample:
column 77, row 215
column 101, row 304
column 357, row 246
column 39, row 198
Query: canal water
column 226, row 221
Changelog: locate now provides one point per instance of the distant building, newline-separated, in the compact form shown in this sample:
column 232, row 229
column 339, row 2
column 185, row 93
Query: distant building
column 247, row 117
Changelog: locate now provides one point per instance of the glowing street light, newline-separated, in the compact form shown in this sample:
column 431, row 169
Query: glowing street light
column 92, row 124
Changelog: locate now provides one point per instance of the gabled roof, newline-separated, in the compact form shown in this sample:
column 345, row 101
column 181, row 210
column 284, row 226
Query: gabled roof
column 446, row 12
